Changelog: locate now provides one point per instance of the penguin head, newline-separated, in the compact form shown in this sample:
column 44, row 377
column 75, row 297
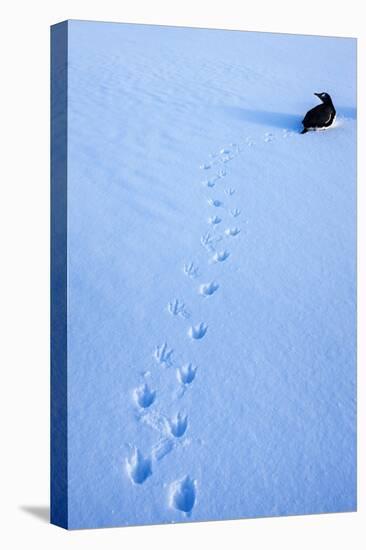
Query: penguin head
column 323, row 96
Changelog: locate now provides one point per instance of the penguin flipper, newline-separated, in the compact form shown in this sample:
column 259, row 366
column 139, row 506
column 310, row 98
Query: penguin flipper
column 304, row 131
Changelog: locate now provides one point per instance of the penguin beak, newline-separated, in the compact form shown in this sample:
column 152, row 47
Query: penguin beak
column 317, row 94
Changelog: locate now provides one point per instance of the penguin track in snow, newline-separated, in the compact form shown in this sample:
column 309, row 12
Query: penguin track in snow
column 232, row 231
column 208, row 241
column 163, row 355
column 191, row 270
column 208, row 289
column 197, row 332
column 178, row 309
column 220, row 256
column 182, row 495
column 215, row 202
column 186, row 374
column 235, row 212
column 209, row 183
column 177, row 425
column 138, row 467
column 214, row 220
column 144, row 396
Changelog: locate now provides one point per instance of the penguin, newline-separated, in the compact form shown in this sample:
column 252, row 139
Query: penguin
column 320, row 117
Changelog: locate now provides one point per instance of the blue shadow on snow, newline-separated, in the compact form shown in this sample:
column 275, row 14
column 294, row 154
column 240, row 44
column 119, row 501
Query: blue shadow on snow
column 279, row 120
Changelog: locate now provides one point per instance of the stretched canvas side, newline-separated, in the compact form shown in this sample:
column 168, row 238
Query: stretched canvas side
column 59, row 505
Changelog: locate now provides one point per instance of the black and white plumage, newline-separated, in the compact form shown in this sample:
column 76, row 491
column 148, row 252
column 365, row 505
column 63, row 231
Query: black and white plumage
column 320, row 117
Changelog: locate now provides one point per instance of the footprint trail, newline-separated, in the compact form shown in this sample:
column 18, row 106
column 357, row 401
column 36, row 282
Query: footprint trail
column 172, row 429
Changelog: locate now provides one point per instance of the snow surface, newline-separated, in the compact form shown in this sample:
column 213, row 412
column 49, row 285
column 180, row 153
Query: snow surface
column 211, row 275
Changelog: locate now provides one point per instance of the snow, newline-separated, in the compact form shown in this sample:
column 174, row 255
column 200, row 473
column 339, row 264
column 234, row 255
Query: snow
column 211, row 275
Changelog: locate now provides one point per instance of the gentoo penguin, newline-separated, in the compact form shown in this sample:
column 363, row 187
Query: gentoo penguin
column 322, row 116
